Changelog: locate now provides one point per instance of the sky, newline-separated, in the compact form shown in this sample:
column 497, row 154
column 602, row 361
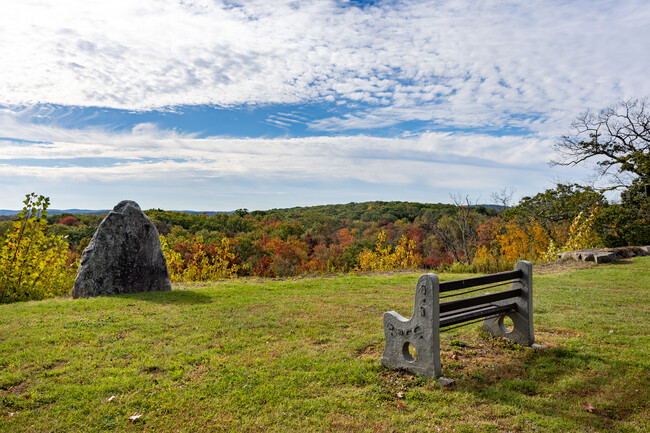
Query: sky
column 223, row 105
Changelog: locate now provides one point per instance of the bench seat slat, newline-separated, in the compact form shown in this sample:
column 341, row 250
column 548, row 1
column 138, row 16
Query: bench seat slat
column 476, row 314
column 447, row 286
column 465, row 310
column 478, row 300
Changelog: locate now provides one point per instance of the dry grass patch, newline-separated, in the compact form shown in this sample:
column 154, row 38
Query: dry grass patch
column 565, row 265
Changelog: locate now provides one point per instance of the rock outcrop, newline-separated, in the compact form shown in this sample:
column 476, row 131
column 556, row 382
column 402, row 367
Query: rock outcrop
column 600, row 255
column 124, row 256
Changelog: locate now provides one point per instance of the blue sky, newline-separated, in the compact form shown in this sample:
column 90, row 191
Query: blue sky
column 220, row 105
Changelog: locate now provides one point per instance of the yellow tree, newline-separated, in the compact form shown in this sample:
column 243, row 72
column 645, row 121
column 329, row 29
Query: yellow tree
column 523, row 241
column 383, row 258
column 581, row 235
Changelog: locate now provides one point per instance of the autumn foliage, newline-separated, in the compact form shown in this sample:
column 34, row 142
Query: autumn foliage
column 33, row 265
column 196, row 261
column 384, row 257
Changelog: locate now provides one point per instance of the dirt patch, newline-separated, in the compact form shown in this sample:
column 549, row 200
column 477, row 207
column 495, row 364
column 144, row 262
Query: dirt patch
column 560, row 266
column 371, row 351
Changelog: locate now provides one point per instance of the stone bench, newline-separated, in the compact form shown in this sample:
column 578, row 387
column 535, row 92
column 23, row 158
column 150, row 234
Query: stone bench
column 431, row 317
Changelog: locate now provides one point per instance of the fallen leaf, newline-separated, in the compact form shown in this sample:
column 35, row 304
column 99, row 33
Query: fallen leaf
column 135, row 416
column 400, row 394
column 589, row 408
column 400, row 405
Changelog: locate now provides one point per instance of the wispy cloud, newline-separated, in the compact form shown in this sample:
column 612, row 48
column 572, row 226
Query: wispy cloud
column 442, row 160
column 457, row 62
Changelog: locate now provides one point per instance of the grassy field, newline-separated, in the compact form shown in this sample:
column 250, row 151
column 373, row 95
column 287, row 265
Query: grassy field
column 303, row 355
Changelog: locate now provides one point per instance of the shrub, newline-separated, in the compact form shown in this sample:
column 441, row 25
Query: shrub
column 32, row 264
column 196, row 261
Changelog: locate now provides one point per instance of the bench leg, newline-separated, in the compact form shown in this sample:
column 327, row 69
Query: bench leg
column 522, row 332
column 422, row 331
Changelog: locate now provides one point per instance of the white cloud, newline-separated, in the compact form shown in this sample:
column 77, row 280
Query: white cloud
column 94, row 168
column 442, row 161
column 457, row 62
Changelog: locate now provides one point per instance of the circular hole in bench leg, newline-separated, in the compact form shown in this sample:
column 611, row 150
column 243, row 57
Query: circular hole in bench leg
column 409, row 352
column 506, row 324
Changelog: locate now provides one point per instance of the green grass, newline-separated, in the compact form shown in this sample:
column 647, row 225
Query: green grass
column 303, row 355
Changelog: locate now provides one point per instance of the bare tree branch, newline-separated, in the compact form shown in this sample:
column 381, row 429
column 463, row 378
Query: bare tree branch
column 503, row 197
column 617, row 137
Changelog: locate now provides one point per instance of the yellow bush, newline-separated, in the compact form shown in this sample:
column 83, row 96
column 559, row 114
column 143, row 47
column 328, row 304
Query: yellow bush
column 204, row 262
column 175, row 262
column 33, row 265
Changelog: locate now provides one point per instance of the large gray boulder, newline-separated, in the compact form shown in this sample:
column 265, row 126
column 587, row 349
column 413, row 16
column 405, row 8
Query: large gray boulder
column 124, row 256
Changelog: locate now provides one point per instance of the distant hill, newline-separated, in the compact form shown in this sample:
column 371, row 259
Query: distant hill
column 491, row 206
column 373, row 211
column 330, row 209
column 7, row 212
